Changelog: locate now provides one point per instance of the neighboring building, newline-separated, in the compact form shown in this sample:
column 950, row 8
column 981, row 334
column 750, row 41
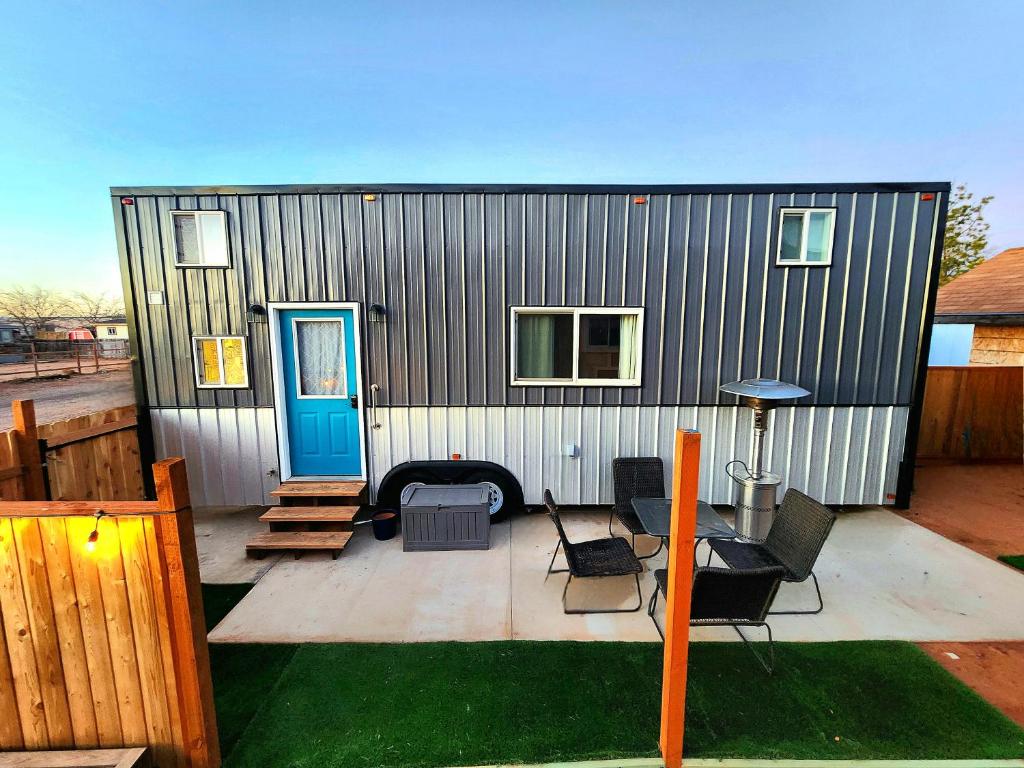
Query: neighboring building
column 988, row 303
column 328, row 331
column 10, row 332
column 80, row 334
column 111, row 330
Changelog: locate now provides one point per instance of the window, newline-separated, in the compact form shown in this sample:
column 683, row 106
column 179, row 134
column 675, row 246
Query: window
column 320, row 370
column 220, row 361
column 805, row 236
column 200, row 238
column 111, row 330
column 576, row 346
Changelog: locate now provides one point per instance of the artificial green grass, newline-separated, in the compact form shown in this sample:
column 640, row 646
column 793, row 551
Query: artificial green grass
column 243, row 675
column 219, row 599
column 448, row 704
column 1017, row 561
column 243, row 681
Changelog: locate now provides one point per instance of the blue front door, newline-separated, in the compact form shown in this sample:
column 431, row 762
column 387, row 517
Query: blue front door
column 318, row 362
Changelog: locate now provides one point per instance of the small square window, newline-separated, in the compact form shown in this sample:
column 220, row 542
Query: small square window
column 200, row 238
column 111, row 331
column 220, row 362
column 576, row 346
column 805, row 236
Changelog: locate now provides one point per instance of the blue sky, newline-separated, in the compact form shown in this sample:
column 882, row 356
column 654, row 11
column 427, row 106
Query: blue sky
column 99, row 94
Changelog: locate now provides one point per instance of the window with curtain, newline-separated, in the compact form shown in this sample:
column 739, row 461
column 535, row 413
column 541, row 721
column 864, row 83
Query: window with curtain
column 220, row 362
column 200, row 238
column 805, row 236
column 577, row 345
column 320, row 358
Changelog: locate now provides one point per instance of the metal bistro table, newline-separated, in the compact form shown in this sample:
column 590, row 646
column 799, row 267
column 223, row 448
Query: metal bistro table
column 656, row 517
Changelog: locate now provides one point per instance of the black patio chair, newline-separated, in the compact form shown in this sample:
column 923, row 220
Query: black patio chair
column 798, row 533
column 727, row 597
column 642, row 476
column 590, row 559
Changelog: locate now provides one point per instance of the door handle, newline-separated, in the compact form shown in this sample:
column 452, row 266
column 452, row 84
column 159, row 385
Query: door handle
column 374, row 389
column 354, row 400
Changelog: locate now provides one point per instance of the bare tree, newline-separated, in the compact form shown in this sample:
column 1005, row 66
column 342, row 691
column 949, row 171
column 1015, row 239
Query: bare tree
column 32, row 307
column 95, row 307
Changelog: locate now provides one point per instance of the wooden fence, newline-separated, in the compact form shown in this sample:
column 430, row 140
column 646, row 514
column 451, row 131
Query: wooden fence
column 973, row 414
column 103, row 644
column 87, row 457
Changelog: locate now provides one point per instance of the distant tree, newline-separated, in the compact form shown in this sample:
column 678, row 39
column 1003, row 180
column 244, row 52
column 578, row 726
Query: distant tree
column 32, row 307
column 966, row 234
column 94, row 308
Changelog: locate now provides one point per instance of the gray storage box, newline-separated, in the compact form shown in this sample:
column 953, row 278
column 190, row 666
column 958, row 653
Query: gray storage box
column 438, row 517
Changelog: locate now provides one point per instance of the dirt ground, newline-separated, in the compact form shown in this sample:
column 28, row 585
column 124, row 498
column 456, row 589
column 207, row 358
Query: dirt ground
column 10, row 372
column 75, row 396
column 982, row 508
column 978, row 505
column 994, row 670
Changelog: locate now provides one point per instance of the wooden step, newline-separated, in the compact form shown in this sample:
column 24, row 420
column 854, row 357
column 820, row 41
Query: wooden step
column 321, row 492
column 310, row 518
column 298, row 542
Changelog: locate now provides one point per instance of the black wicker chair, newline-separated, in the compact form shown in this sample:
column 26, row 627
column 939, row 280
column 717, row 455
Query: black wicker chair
column 597, row 558
column 641, row 476
column 728, row 597
column 794, row 541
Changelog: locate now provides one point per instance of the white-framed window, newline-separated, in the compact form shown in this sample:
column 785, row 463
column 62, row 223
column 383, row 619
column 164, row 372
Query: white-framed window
column 576, row 346
column 200, row 238
column 805, row 237
column 220, row 362
column 321, row 372
column 111, row 331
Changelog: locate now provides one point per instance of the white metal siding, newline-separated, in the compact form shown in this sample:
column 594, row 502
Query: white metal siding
column 230, row 453
column 841, row 455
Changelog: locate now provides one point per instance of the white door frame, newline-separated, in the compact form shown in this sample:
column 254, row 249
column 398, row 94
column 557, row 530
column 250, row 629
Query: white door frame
column 274, row 309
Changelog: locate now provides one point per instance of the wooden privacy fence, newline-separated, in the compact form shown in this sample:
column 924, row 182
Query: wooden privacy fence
column 88, row 457
column 103, row 644
column 973, row 413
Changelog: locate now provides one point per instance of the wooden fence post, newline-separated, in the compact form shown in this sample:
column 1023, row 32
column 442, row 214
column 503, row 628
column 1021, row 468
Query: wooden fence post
column 685, row 475
column 27, row 437
column 188, row 625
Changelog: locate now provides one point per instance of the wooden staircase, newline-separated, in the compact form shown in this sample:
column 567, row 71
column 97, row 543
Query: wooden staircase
column 313, row 517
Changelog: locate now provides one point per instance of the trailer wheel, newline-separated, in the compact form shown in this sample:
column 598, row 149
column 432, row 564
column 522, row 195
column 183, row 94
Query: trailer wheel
column 504, row 496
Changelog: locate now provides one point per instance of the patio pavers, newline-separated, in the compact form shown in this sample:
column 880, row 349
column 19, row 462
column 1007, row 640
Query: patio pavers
column 882, row 578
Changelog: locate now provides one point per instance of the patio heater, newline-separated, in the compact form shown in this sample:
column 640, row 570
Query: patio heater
column 756, row 488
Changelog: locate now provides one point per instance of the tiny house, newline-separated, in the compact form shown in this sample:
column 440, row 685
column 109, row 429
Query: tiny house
column 525, row 335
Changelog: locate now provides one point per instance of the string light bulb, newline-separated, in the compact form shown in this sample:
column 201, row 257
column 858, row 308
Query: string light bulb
column 94, row 535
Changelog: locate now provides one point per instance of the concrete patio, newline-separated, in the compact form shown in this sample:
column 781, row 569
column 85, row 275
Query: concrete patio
column 882, row 577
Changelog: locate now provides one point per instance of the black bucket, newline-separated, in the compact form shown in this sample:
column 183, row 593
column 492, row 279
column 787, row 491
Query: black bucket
column 385, row 524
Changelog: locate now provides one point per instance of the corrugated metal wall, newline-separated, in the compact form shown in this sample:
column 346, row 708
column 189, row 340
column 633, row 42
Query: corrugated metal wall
column 448, row 265
column 841, row 455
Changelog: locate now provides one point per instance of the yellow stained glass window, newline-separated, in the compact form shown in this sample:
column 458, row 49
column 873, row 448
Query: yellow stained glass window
column 209, row 366
column 234, row 362
column 220, row 362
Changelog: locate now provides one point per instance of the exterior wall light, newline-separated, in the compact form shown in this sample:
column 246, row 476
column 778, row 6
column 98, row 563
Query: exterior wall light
column 376, row 313
column 256, row 313
column 94, row 535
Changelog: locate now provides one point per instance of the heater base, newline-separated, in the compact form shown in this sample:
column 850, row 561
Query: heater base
column 755, row 506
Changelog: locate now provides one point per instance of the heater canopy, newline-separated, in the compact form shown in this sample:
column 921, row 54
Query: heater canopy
column 763, row 393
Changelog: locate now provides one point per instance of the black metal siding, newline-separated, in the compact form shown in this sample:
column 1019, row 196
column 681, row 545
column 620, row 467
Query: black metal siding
column 448, row 264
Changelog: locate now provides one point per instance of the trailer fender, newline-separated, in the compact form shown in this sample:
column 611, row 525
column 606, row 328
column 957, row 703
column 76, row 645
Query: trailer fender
column 506, row 492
